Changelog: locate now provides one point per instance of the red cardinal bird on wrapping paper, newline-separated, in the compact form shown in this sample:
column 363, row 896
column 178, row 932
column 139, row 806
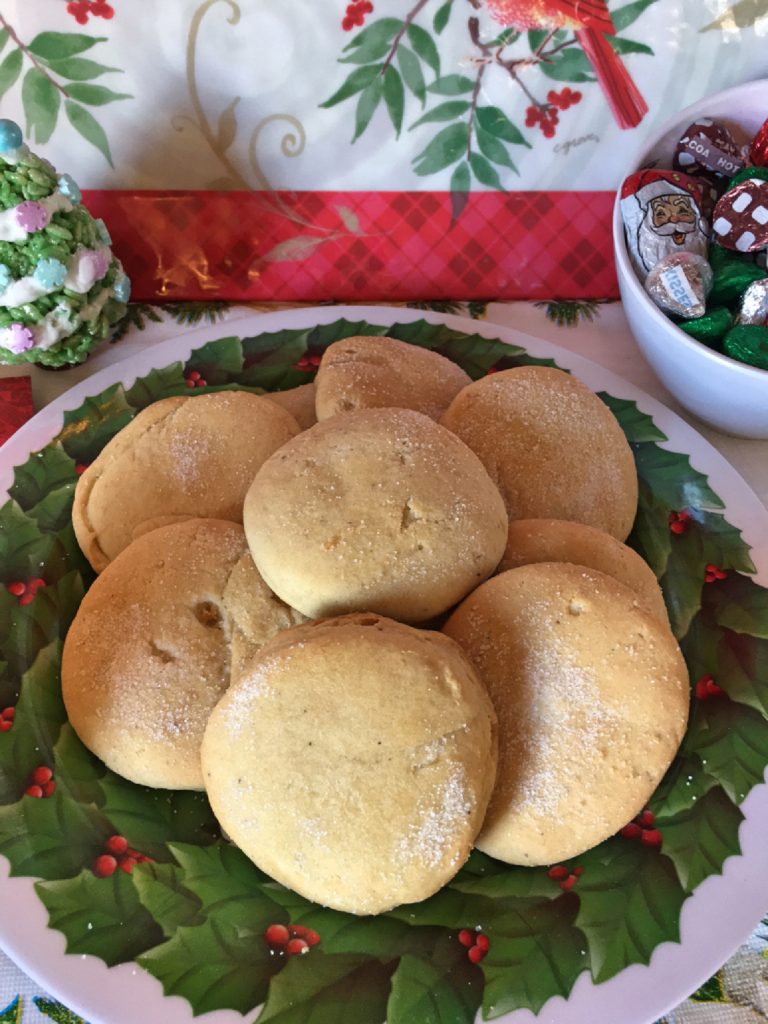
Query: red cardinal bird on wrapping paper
column 591, row 21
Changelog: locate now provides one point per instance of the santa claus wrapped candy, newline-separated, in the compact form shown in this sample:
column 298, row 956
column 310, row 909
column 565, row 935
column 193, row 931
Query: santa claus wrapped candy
column 664, row 212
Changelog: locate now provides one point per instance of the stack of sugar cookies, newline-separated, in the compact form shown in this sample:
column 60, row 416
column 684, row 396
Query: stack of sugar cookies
column 312, row 573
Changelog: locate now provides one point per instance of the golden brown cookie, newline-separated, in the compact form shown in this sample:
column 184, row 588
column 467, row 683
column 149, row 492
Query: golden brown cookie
column 299, row 402
column 557, row 540
column 552, row 447
column 592, row 697
column 353, row 761
column 179, row 458
column 380, row 510
column 148, row 654
column 370, row 372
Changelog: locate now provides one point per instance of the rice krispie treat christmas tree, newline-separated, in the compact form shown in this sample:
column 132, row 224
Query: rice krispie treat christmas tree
column 61, row 289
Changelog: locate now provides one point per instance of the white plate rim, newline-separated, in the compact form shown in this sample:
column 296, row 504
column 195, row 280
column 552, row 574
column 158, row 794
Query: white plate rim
column 639, row 994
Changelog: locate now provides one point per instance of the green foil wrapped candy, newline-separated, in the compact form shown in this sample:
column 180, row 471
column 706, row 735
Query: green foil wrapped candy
column 749, row 344
column 748, row 172
column 711, row 327
column 732, row 279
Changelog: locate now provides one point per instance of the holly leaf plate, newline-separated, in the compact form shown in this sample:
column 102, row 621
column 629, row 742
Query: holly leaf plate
column 623, row 932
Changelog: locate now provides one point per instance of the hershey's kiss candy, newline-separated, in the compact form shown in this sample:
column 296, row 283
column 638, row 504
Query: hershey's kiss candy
column 758, row 151
column 740, row 220
column 680, row 284
column 709, row 149
column 754, row 304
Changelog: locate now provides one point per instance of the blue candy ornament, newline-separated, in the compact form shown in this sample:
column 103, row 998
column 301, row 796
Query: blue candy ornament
column 122, row 288
column 10, row 135
column 69, row 188
column 101, row 230
column 50, row 273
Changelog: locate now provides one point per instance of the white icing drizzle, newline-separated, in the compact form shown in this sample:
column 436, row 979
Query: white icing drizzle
column 92, row 310
column 12, row 231
column 80, row 278
column 60, row 322
column 15, row 156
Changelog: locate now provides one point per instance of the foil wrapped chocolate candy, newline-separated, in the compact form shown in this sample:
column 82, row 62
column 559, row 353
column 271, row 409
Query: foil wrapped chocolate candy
column 709, row 149
column 680, row 283
column 748, row 343
column 758, row 151
column 740, row 220
column 664, row 213
column 754, row 304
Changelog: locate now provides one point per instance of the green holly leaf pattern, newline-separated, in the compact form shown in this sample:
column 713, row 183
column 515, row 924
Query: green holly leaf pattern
column 39, row 717
column 342, row 989
column 624, row 16
column 201, row 907
column 100, row 916
column 732, row 742
column 44, row 472
column 629, row 901
column 700, row 839
column 56, row 1011
column 12, row 1012
column 214, row 965
column 443, row 989
column 162, row 893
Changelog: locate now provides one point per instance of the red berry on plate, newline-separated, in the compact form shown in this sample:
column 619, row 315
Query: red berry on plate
column 80, row 467
column 116, row 845
column 34, row 791
column 311, row 937
column 578, row 872
column 476, row 954
column 8, row 714
column 296, row 946
column 646, row 819
column 49, row 788
column 483, row 942
column 568, row 883
column 277, row 935
column 713, row 690
column 35, row 584
column 466, row 937
column 651, row 837
column 17, row 588
column 5, row 725
column 26, row 599
column 41, row 775
column 104, row 866
column 127, row 864
column 558, row 872
column 631, row 831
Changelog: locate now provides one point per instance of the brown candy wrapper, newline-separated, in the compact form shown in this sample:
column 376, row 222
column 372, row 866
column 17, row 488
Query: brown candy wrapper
column 754, row 304
column 708, row 148
column 741, row 216
column 680, row 283
column 664, row 213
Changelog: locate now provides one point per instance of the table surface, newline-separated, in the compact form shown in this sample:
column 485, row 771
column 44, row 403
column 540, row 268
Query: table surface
column 598, row 332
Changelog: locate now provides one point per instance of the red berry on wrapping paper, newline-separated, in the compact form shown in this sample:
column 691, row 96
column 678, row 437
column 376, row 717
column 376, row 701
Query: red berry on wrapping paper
column 712, row 573
column 104, row 866
column 296, row 947
column 476, row 954
column 16, row 589
column 41, row 775
column 277, row 935
column 34, row 791
column 5, row 725
column 467, row 937
column 79, row 11
column 8, row 714
column 127, row 864
column 483, row 942
column 49, row 788
column 116, row 845
column 651, row 837
column 102, row 10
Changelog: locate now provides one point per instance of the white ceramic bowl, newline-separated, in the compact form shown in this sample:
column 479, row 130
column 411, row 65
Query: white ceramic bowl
column 727, row 394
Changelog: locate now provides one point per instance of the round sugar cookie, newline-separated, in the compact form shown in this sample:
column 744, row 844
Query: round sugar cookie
column 179, row 458
column 148, row 653
column 557, row 540
column 299, row 402
column 380, row 510
column 367, row 372
column 353, row 761
column 552, row 447
column 592, row 697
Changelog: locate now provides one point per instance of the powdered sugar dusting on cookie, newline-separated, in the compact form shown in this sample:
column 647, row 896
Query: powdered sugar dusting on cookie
column 445, row 819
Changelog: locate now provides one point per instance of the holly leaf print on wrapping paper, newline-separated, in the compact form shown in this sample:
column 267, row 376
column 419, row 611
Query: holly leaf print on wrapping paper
column 57, row 76
column 12, row 1012
column 743, row 14
column 203, row 906
column 57, row 1012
